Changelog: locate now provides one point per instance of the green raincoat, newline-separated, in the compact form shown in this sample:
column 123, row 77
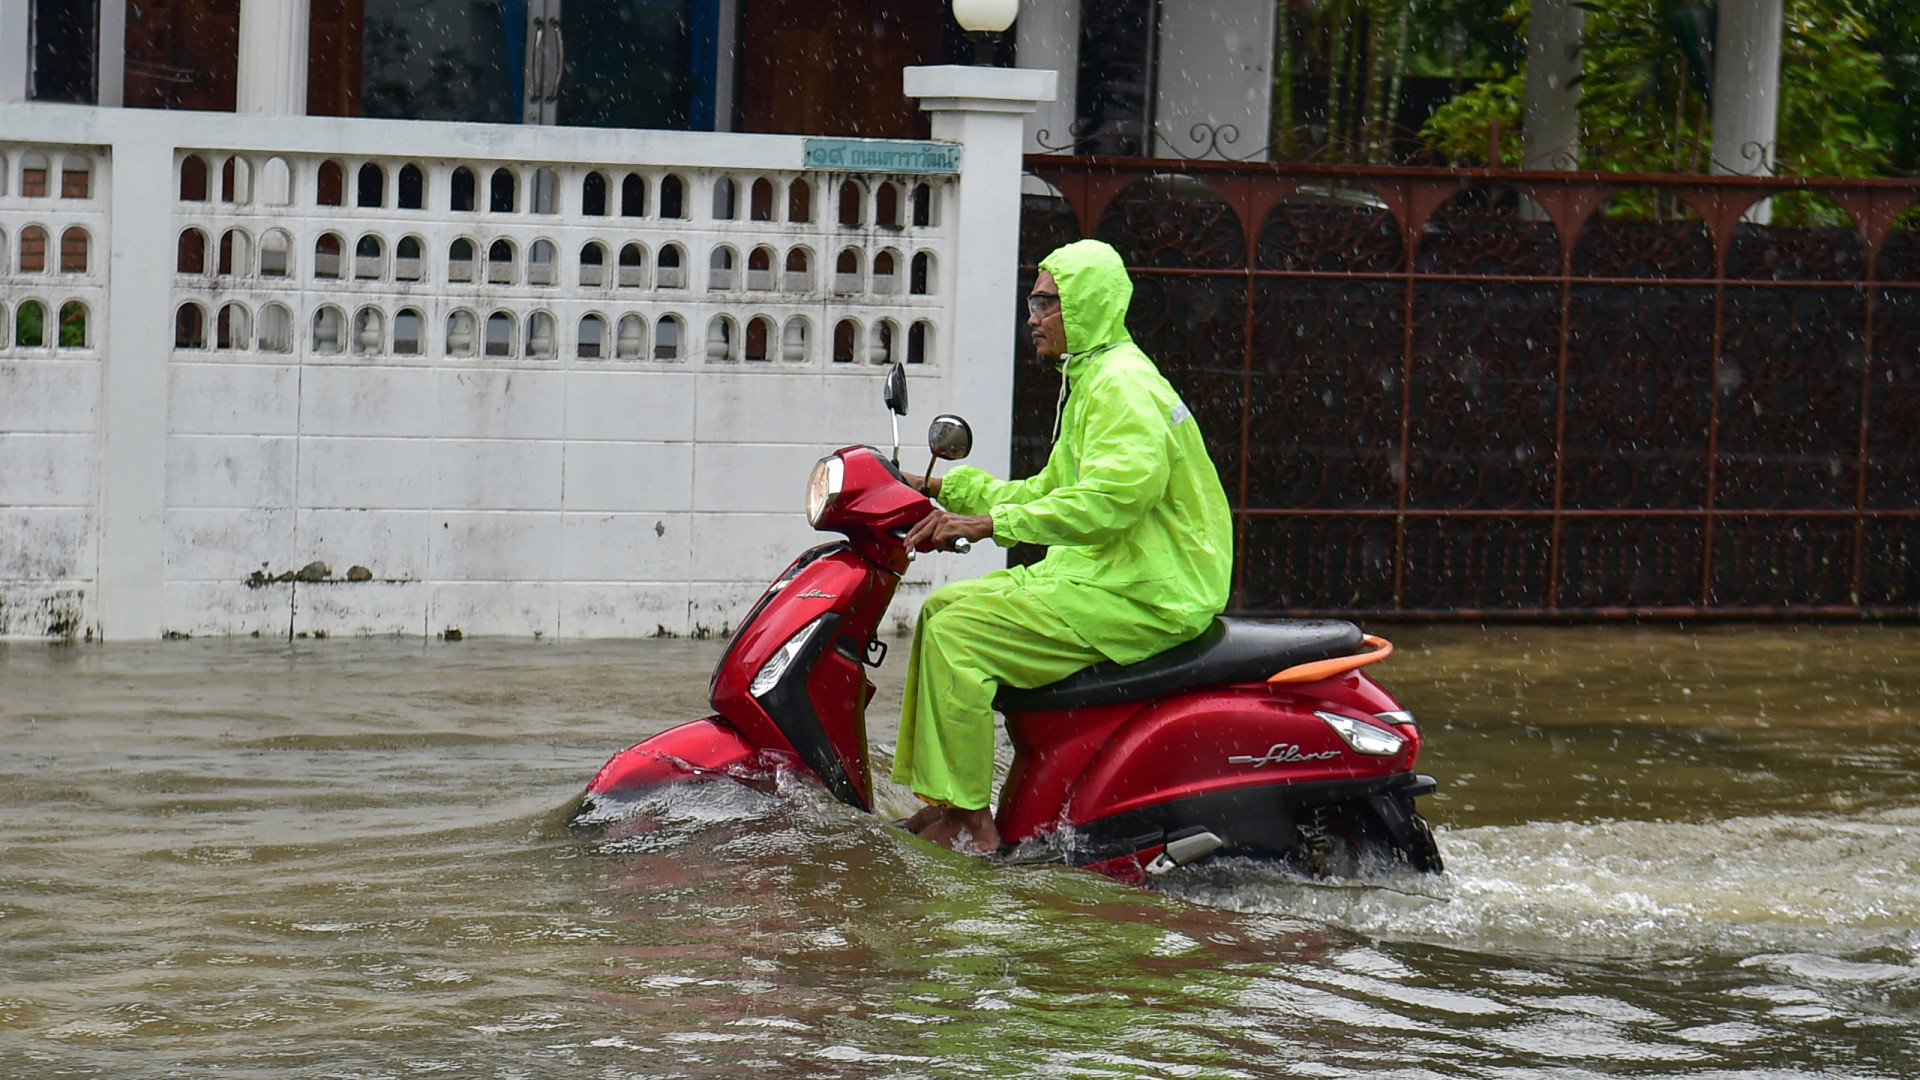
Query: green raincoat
column 1140, row 539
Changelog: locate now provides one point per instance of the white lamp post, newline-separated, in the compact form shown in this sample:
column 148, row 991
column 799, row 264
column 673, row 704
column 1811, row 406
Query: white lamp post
column 982, row 19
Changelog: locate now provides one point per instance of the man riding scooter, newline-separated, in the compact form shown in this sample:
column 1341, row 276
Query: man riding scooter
column 1140, row 545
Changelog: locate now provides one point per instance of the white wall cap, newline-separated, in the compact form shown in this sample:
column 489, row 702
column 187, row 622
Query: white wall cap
column 980, row 89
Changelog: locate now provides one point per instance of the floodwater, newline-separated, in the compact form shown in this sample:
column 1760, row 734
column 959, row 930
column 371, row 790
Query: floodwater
column 1671, row 852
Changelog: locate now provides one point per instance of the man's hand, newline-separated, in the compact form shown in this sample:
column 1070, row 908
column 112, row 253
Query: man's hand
column 926, row 485
column 939, row 529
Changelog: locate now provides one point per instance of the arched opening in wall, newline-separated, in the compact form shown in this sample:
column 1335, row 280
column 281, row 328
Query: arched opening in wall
column 369, row 332
column 406, row 332
column 236, row 178
column 235, row 253
column 886, row 280
column 190, row 256
column 540, row 336
column 276, row 183
column 327, row 251
column 633, row 266
column 541, row 259
column 412, row 190
column 330, row 184
column 722, row 340
column 921, row 280
column 545, row 186
column 329, row 331
column 633, row 196
column 880, row 343
column 793, row 342
column 500, row 262
column 590, row 341
column 760, row 269
column 30, row 324
column 371, row 187
column 850, row 199
column 189, row 326
column 33, row 250
column 73, row 325
column 762, row 200
column 666, row 338
column 193, row 177
column 3, row 259
column 593, row 195
column 230, row 329
column 501, row 194
column 33, row 175
column 886, row 206
column 460, row 189
column 631, row 343
column 593, row 264
column 723, row 209
column 672, row 197
column 919, row 342
column 799, row 271
column 276, row 254
column 922, row 205
column 846, row 272
column 673, row 273
column 276, row 329
column 3, row 190
column 500, row 334
column 73, row 251
column 800, row 201
column 461, row 333
column 720, row 270
column 408, row 264
column 460, row 260
column 369, row 258
column 846, row 338
column 4, row 326
column 76, row 177
column 759, row 335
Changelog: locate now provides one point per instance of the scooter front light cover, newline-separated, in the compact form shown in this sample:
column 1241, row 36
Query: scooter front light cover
column 1362, row 736
column 780, row 661
column 822, row 488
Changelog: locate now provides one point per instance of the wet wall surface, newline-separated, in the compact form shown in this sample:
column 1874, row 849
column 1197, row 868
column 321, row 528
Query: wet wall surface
column 1671, row 852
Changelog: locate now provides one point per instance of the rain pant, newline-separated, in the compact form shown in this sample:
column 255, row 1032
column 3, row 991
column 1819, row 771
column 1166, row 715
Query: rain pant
column 1139, row 535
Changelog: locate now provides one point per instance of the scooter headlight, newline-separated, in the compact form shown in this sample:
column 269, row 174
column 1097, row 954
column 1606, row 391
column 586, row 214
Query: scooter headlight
column 823, row 487
column 1365, row 738
column 779, row 662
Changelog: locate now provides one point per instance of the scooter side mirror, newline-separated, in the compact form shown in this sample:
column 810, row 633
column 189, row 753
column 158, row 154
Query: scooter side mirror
column 949, row 437
column 895, row 394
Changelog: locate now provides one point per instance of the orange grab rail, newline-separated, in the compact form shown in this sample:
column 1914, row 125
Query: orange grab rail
column 1327, row 669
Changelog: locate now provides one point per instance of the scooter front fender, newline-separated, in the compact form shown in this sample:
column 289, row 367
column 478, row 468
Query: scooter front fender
column 706, row 747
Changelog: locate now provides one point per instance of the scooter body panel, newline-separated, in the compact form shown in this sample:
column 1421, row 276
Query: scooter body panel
column 708, row 746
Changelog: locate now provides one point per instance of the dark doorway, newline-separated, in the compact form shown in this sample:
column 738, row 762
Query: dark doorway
column 66, row 50
column 812, row 67
column 1115, row 92
column 182, row 54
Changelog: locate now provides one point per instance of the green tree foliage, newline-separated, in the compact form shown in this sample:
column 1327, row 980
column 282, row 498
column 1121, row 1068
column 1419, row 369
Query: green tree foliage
column 1645, row 98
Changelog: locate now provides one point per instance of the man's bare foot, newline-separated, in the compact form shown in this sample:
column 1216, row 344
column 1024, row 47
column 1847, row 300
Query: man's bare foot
column 924, row 817
column 970, row 832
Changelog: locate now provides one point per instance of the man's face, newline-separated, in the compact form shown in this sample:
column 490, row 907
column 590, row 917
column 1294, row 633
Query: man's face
column 1044, row 322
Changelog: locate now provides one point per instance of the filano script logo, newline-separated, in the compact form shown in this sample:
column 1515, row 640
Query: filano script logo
column 1281, row 753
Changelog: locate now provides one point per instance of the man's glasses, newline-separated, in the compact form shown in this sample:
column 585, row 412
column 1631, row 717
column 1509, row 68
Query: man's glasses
column 1043, row 303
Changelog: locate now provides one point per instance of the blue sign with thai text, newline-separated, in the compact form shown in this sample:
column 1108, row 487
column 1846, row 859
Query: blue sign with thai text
column 883, row 155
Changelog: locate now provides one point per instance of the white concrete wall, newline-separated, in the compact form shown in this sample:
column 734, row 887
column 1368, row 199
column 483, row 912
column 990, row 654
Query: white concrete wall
column 1213, row 83
column 144, row 482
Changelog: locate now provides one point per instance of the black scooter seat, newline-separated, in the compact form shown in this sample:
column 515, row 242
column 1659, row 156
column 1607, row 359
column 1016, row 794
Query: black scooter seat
column 1229, row 651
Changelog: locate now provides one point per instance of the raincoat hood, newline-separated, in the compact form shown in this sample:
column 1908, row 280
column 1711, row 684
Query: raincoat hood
column 1094, row 294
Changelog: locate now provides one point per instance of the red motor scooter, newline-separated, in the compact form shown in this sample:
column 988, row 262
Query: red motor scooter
column 1260, row 737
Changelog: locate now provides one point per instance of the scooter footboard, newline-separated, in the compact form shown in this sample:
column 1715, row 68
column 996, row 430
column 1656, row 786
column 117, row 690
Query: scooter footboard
column 708, row 746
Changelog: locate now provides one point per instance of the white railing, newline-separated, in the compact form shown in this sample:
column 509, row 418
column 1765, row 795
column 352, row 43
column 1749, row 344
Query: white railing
column 348, row 376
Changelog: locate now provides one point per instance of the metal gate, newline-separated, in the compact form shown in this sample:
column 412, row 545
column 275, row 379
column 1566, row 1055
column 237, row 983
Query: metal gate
column 1474, row 393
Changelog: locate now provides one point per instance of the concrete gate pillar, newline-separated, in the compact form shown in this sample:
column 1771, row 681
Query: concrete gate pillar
column 273, row 57
column 1746, row 86
column 984, row 109
column 1550, row 124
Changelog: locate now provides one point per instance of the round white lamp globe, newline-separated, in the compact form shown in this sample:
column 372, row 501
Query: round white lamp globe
column 985, row 16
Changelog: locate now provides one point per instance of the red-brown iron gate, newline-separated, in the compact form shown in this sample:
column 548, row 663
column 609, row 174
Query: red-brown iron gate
column 1439, row 392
